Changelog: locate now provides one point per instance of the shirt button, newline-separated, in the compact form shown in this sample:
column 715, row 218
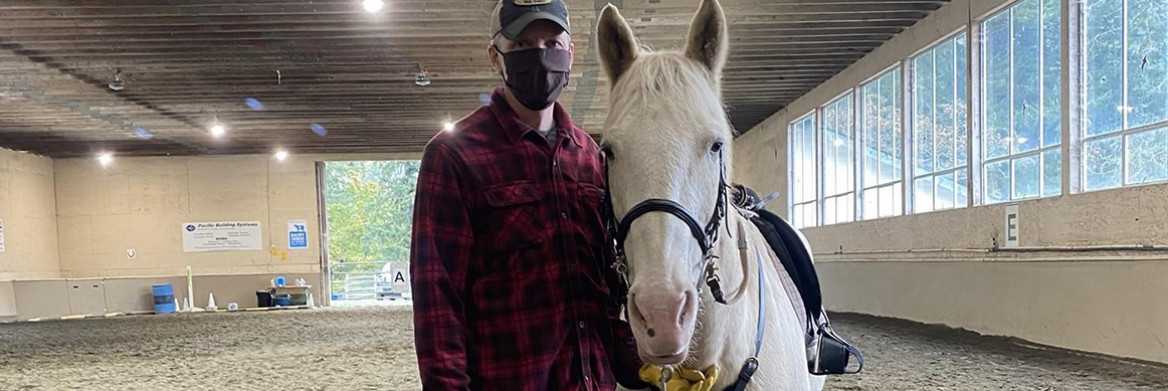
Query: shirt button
column 555, row 163
column 586, row 378
column 564, row 215
column 581, row 324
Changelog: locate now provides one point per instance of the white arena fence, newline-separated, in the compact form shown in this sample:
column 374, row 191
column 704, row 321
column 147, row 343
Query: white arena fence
column 377, row 280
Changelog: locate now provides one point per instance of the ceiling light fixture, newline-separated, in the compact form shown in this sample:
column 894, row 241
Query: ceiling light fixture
column 218, row 130
column 422, row 79
column 105, row 158
column 281, row 155
column 319, row 129
column 143, row 133
column 117, row 84
column 448, row 124
column 372, row 5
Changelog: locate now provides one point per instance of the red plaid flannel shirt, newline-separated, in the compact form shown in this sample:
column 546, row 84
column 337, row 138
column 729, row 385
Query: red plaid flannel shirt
column 509, row 262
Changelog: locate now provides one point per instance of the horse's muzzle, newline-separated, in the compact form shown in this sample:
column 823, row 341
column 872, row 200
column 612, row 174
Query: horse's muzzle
column 663, row 323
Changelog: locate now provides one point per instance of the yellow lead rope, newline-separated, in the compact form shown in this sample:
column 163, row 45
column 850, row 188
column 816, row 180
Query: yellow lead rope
column 682, row 379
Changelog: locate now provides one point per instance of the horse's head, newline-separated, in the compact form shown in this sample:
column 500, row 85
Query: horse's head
column 666, row 137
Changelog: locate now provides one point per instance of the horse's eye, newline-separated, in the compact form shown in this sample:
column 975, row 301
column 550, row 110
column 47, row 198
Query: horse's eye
column 716, row 147
column 607, row 151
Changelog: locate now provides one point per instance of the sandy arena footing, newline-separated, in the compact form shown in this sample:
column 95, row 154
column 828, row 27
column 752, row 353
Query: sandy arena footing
column 372, row 349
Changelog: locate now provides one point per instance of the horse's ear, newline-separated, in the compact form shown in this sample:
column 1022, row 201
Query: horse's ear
column 617, row 46
column 708, row 41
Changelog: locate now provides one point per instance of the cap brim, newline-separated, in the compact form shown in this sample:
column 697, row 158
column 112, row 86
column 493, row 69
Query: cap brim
column 515, row 28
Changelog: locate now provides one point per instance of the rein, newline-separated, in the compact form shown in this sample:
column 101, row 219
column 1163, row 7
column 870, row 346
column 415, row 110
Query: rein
column 706, row 237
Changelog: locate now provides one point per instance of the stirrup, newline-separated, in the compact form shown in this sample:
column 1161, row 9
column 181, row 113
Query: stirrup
column 832, row 353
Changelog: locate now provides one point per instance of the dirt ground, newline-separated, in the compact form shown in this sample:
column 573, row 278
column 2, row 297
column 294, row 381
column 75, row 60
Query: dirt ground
column 341, row 349
column 902, row 355
column 371, row 349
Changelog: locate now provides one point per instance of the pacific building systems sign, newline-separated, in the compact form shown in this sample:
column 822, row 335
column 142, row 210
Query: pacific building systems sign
column 222, row 236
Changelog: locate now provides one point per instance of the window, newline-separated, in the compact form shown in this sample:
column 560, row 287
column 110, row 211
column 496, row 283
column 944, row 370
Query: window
column 1125, row 97
column 839, row 171
column 940, row 139
column 804, row 188
column 1021, row 102
column 881, row 147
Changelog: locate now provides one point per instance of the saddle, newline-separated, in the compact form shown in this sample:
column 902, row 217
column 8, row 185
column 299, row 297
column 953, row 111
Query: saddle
column 827, row 352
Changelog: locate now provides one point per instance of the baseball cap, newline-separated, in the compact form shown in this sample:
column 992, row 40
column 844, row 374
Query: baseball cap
column 512, row 16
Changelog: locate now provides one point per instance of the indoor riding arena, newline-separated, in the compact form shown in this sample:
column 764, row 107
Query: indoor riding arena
column 219, row 194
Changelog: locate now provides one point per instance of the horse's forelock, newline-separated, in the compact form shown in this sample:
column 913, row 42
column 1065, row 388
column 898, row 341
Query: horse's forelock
column 666, row 79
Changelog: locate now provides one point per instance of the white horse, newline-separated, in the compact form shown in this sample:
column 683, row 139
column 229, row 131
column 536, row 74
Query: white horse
column 667, row 137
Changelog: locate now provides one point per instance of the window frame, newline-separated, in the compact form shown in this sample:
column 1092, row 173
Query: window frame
column 910, row 104
column 849, row 97
column 1125, row 131
column 982, row 94
column 792, row 203
column 899, row 208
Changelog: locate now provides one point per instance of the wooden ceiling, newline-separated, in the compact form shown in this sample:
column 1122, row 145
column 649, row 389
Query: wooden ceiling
column 332, row 77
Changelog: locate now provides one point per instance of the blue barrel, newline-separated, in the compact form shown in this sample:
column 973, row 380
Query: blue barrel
column 164, row 299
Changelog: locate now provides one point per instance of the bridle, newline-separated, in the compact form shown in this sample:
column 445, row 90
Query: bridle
column 706, row 236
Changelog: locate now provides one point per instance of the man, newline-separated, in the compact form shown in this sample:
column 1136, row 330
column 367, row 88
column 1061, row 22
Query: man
column 510, row 279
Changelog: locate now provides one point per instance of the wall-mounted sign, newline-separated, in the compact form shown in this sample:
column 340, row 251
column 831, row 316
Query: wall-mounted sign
column 298, row 234
column 222, row 236
column 1, row 236
column 1011, row 233
column 399, row 277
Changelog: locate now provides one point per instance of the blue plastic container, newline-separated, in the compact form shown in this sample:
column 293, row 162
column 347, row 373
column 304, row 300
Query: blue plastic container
column 282, row 300
column 164, row 299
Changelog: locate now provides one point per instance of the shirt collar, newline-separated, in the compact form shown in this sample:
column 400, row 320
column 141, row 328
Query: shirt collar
column 516, row 129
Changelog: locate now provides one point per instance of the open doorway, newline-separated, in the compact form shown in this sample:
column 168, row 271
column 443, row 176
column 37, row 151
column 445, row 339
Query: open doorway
column 368, row 213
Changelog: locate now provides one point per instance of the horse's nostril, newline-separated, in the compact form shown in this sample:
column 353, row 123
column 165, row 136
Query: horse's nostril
column 651, row 332
column 635, row 309
column 686, row 298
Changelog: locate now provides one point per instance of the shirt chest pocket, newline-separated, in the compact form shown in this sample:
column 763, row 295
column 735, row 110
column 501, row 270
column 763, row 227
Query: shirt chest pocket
column 515, row 216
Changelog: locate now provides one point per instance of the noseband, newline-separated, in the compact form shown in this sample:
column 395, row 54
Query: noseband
column 706, row 236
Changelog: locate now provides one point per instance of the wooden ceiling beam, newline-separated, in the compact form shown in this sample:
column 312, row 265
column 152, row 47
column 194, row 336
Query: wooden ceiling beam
column 189, row 63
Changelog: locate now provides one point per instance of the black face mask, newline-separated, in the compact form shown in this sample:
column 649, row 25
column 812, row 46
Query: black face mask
column 537, row 76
